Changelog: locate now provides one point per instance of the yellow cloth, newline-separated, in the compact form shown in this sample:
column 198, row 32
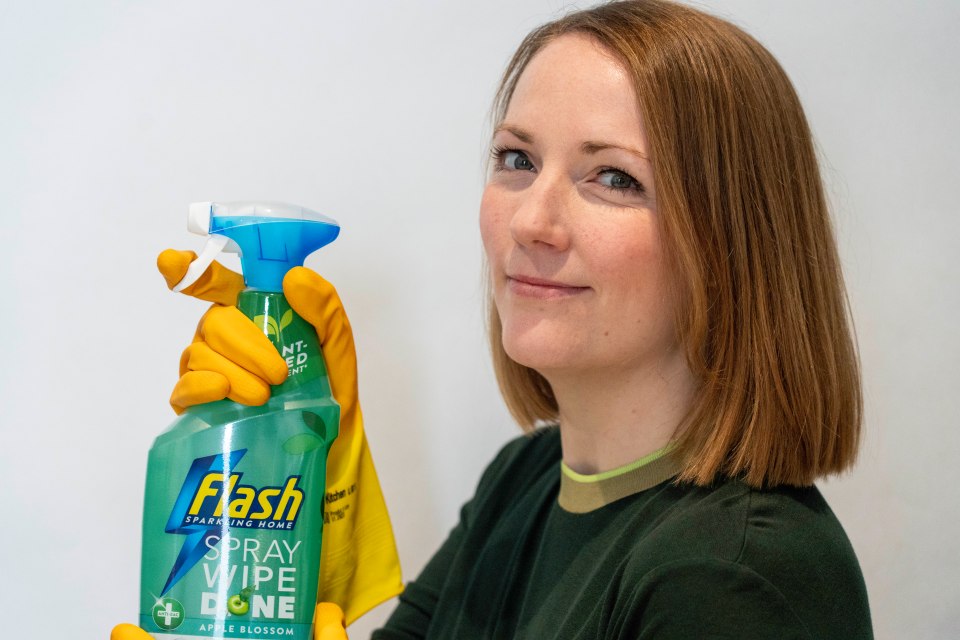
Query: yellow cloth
column 231, row 358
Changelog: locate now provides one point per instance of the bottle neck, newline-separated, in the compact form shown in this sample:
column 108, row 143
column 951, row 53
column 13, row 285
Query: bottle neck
column 294, row 337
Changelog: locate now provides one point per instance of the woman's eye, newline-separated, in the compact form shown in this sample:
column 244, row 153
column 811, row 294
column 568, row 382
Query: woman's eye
column 513, row 160
column 617, row 180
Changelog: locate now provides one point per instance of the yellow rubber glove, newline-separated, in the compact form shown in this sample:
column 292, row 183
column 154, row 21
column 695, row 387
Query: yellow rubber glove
column 328, row 625
column 231, row 358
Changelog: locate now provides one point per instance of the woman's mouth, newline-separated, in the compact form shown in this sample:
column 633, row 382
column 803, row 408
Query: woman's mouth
column 530, row 287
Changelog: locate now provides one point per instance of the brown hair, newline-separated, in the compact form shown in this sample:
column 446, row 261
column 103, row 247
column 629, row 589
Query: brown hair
column 763, row 315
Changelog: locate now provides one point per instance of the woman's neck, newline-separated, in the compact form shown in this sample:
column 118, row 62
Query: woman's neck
column 611, row 418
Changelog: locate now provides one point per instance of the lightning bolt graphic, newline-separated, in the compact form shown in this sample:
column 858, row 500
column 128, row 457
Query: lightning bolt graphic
column 199, row 536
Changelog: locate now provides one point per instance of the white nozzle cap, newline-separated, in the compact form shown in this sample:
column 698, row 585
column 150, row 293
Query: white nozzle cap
column 198, row 220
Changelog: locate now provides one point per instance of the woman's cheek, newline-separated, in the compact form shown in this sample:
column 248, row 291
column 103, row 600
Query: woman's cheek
column 493, row 226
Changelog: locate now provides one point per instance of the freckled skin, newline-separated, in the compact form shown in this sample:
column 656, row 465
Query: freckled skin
column 560, row 221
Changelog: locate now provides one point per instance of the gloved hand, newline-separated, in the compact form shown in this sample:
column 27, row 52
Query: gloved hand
column 230, row 357
column 328, row 625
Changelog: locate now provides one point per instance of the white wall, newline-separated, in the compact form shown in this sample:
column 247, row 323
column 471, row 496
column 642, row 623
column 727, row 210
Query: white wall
column 115, row 115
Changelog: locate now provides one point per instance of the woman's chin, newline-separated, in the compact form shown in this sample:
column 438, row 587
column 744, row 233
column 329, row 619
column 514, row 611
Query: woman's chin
column 543, row 354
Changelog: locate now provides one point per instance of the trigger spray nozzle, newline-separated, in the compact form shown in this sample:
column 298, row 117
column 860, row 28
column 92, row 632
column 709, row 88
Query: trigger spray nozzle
column 271, row 238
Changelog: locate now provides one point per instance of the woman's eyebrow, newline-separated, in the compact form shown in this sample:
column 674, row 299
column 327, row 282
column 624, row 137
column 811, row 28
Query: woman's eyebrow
column 523, row 134
column 590, row 147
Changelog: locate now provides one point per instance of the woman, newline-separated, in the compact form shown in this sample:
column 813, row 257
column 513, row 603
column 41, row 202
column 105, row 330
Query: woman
column 667, row 297
column 667, row 290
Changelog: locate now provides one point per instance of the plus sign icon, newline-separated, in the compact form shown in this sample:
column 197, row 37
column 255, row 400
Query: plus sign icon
column 168, row 613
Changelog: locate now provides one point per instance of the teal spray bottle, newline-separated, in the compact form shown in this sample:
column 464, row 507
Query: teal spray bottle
column 233, row 509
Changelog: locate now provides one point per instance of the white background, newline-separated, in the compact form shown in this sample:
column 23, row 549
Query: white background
column 115, row 115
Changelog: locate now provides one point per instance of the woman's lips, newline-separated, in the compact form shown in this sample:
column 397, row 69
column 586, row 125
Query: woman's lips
column 539, row 288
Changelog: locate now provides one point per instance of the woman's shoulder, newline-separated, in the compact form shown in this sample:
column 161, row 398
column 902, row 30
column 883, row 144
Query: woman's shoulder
column 771, row 529
column 521, row 474
column 775, row 531
column 783, row 542
column 734, row 521
column 525, row 458
column 792, row 524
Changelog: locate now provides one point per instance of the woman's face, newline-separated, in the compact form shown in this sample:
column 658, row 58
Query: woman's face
column 569, row 220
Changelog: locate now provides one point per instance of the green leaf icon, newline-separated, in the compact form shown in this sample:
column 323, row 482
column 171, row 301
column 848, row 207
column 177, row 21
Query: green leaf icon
column 267, row 323
column 286, row 319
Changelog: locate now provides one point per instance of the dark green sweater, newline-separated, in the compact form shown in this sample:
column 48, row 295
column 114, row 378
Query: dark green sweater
column 635, row 556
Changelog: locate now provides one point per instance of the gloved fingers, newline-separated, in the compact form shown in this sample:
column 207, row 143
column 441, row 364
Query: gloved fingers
column 129, row 632
column 232, row 335
column 217, row 284
column 198, row 387
column 331, row 632
column 328, row 624
column 243, row 386
column 318, row 303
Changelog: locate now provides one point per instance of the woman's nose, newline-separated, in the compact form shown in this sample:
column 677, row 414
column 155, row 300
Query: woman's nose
column 540, row 218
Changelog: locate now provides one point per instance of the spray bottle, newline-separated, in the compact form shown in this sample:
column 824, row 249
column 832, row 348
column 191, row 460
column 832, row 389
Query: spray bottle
column 233, row 510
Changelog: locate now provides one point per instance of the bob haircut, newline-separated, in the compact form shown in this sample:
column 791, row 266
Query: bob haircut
column 763, row 312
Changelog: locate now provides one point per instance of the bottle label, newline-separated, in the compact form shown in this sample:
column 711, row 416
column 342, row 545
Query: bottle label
column 232, row 528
